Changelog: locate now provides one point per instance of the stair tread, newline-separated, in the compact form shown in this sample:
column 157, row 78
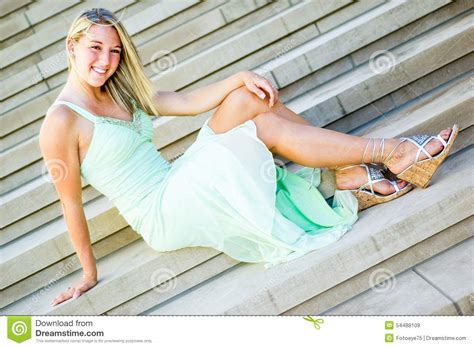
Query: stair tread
column 338, row 86
column 440, row 282
column 366, row 239
column 427, row 110
column 292, row 283
column 395, row 297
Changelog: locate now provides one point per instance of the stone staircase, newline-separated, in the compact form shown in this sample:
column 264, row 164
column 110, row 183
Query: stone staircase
column 371, row 68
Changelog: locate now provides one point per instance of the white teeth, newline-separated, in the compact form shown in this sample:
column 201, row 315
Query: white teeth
column 100, row 71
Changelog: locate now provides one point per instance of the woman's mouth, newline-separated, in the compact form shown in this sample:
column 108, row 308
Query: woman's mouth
column 99, row 71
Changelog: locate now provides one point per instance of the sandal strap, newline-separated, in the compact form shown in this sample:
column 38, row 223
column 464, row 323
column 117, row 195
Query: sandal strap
column 312, row 179
column 374, row 175
column 420, row 140
column 365, row 149
column 394, row 184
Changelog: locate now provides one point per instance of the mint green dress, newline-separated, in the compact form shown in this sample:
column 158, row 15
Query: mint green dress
column 225, row 192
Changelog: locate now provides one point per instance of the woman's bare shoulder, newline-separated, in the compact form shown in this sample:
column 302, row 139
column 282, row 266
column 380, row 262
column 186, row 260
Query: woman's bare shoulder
column 59, row 123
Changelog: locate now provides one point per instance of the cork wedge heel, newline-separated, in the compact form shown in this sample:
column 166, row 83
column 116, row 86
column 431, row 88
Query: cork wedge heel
column 365, row 194
column 420, row 173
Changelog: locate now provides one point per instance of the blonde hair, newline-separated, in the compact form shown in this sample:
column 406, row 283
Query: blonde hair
column 129, row 82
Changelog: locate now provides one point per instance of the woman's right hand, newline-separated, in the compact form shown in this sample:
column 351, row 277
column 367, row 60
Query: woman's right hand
column 75, row 291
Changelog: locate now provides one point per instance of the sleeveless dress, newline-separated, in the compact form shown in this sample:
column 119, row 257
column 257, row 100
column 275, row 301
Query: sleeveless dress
column 224, row 192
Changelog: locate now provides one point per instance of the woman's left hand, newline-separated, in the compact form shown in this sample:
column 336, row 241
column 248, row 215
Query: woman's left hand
column 259, row 85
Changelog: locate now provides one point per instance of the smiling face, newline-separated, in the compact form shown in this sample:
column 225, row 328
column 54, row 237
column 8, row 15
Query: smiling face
column 97, row 54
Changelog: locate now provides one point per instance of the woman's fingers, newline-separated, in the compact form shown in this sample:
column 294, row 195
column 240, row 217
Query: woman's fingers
column 254, row 88
column 259, row 85
column 267, row 87
column 271, row 92
column 75, row 291
column 275, row 91
column 63, row 297
column 80, row 290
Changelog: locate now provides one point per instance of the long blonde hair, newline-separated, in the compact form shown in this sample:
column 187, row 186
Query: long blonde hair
column 129, row 82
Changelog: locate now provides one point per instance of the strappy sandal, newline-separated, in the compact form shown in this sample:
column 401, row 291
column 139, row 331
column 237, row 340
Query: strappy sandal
column 420, row 173
column 375, row 174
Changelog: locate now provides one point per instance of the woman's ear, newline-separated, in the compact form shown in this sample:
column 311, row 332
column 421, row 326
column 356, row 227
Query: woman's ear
column 70, row 48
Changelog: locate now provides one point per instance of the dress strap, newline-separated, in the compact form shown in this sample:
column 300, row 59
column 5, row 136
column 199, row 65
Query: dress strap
column 86, row 114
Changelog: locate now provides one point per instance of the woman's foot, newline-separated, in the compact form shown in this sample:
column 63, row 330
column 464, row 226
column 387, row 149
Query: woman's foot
column 354, row 177
column 405, row 154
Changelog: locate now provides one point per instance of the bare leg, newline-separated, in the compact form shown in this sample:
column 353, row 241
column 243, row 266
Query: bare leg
column 346, row 147
column 282, row 110
column 290, row 135
column 319, row 147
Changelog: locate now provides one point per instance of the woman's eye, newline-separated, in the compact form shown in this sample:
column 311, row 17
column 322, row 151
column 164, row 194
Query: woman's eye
column 95, row 47
column 116, row 51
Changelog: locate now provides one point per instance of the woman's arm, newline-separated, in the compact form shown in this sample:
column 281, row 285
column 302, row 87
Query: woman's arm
column 59, row 146
column 208, row 97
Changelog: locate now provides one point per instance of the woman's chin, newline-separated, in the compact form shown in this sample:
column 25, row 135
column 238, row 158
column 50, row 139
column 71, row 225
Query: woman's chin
column 96, row 82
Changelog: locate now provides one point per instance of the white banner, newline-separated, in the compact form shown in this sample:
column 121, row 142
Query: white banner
column 237, row 331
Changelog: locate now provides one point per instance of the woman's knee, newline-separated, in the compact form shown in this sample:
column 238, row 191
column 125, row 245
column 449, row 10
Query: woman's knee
column 246, row 101
column 236, row 108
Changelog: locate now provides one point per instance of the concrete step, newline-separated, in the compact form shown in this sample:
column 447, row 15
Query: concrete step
column 452, row 274
column 443, row 285
column 171, row 128
column 16, row 275
column 184, row 33
column 385, row 270
column 341, row 292
column 31, row 144
column 65, row 266
column 275, row 290
column 451, row 102
column 41, row 24
column 149, row 54
column 30, row 149
column 413, row 60
column 460, row 108
column 200, row 26
column 36, row 75
column 147, row 267
column 397, row 11
column 7, row 7
column 172, row 38
column 400, row 300
column 41, row 217
column 372, row 240
column 56, row 32
column 412, row 94
column 448, row 104
column 349, row 96
column 35, row 13
column 178, row 128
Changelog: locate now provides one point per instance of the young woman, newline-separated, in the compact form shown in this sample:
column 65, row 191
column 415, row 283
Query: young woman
column 225, row 191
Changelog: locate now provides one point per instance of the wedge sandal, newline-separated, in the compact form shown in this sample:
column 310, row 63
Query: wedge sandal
column 420, row 173
column 368, row 197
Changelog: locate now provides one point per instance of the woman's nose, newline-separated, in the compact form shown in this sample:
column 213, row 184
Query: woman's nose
column 104, row 59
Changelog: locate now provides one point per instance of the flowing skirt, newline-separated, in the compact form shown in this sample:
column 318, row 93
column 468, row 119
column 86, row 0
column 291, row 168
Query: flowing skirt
column 227, row 193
